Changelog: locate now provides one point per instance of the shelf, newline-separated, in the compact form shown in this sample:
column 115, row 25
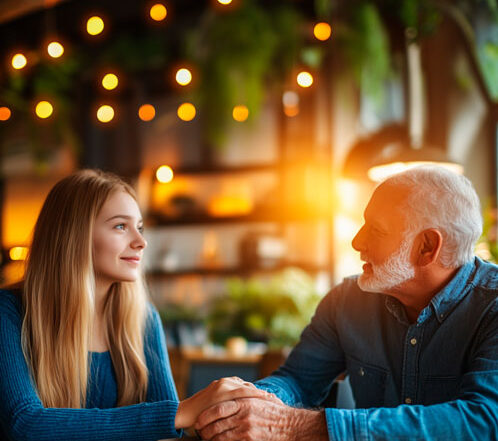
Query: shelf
column 158, row 219
column 233, row 271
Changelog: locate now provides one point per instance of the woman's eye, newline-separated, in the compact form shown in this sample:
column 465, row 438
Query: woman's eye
column 120, row 227
column 141, row 229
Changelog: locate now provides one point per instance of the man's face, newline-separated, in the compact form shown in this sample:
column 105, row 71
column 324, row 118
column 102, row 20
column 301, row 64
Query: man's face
column 383, row 247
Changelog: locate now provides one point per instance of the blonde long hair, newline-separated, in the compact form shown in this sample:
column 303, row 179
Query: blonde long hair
column 59, row 297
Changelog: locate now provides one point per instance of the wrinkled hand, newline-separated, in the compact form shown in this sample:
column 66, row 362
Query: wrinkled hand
column 220, row 390
column 254, row 419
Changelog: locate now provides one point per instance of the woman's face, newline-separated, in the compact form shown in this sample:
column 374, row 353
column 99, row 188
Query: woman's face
column 118, row 243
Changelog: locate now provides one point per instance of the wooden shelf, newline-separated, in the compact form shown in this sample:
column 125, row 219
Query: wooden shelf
column 233, row 271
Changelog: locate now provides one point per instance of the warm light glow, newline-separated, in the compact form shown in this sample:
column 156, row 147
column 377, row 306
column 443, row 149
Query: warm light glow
column 225, row 205
column 164, row 174
column 44, row 109
column 110, row 81
column 225, row 2
column 322, row 31
column 4, row 113
column 345, row 228
column 290, row 100
column 183, row 76
column 18, row 253
column 381, row 172
column 186, row 112
column 55, row 49
column 19, row 61
column 347, row 192
column 105, row 113
column 304, row 79
column 147, row 112
column 94, row 25
column 158, row 12
column 240, row 113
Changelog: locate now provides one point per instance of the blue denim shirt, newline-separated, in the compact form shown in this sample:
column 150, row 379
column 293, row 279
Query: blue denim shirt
column 436, row 379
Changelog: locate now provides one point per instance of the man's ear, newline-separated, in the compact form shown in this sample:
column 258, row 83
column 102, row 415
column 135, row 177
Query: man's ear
column 429, row 246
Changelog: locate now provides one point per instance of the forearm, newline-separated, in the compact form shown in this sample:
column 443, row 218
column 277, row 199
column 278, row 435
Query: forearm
column 309, row 425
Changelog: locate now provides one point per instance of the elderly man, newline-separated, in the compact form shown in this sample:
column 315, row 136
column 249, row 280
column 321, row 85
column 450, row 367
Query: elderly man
column 417, row 332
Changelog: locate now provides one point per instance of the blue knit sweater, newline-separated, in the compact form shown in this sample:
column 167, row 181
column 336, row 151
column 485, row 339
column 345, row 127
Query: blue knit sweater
column 23, row 417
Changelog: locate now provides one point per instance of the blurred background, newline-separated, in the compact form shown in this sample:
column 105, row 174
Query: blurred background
column 254, row 133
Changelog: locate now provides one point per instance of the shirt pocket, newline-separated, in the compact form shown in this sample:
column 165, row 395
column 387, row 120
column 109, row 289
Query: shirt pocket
column 440, row 388
column 368, row 383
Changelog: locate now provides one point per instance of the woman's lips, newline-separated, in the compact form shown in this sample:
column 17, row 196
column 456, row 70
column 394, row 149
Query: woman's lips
column 132, row 260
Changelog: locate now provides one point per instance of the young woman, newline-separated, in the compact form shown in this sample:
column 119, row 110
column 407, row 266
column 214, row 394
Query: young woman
column 82, row 351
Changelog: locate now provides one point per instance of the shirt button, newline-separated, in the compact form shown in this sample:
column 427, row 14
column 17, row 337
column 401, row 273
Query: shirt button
column 413, row 341
column 408, row 400
column 361, row 372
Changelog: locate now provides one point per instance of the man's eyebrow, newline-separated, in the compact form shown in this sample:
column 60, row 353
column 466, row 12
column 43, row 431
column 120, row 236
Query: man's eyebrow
column 122, row 216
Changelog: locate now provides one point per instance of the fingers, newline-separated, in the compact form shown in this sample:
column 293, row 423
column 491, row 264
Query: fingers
column 219, row 411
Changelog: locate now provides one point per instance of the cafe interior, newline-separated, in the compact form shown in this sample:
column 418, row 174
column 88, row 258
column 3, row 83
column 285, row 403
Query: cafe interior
column 254, row 132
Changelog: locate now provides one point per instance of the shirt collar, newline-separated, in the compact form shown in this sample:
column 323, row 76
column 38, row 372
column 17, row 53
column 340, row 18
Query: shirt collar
column 446, row 299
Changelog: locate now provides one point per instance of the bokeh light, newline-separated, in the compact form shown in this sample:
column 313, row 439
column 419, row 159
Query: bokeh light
column 18, row 253
column 225, row 2
column 158, row 12
column 105, row 113
column 186, row 112
column 19, row 61
column 110, row 81
column 322, row 31
column 290, row 101
column 240, row 113
column 4, row 113
column 95, row 25
column 55, row 49
column 164, row 174
column 147, row 112
column 304, row 79
column 183, row 76
column 44, row 109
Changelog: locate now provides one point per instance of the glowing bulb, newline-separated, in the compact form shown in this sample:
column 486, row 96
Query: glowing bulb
column 164, row 174
column 240, row 113
column 44, row 109
column 4, row 113
column 110, row 81
column 105, row 113
column 186, row 112
column 55, row 49
column 158, row 12
column 146, row 112
column 94, row 25
column 19, row 61
column 18, row 253
column 225, row 2
column 304, row 79
column 183, row 76
column 322, row 31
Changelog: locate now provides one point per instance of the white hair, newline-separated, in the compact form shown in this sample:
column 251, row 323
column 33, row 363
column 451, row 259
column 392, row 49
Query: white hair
column 446, row 201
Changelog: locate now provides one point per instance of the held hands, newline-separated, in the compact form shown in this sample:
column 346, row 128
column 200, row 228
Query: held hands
column 218, row 391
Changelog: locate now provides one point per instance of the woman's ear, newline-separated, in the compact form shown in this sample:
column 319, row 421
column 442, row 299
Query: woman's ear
column 430, row 243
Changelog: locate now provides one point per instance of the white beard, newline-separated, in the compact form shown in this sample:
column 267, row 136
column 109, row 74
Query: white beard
column 392, row 273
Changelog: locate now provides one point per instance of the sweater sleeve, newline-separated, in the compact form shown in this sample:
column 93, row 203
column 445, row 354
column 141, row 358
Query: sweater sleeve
column 161, row 385
column 23, row 416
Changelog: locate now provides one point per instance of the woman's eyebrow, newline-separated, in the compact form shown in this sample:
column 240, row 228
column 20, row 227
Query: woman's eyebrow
column 122, row 216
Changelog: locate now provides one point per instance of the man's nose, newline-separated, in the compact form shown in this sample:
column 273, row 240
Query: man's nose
column 358, row 242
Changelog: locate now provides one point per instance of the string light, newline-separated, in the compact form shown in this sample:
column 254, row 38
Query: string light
column 95, row 25
column 105, row 113
column 4, row 113
column 183, row 76
column 186, row 112
column 55, row 49
column 147, row 112
column 240, row 113
column 19, row 61
column 110, row 81
column 304, row 79
column 44, row 109
column 158, row 12
column 225, row 2
column 164, row 174
column 322, row 31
